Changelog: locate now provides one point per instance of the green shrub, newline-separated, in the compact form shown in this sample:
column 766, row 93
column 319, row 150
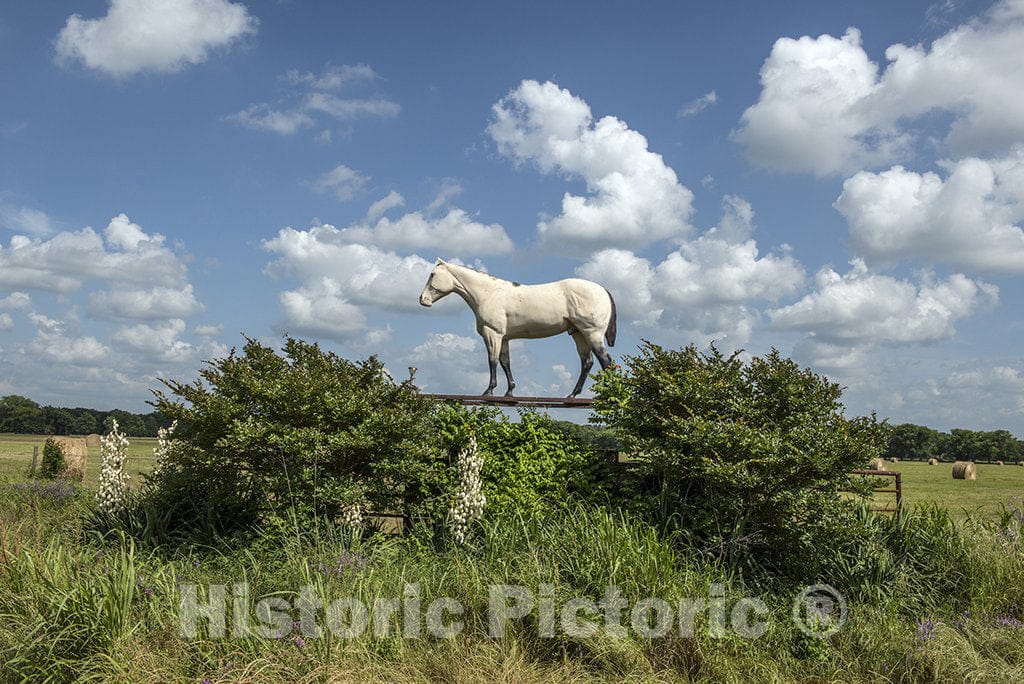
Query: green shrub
column 272, row 440
column 52, row 463
column 747, row 458
column 526, row 463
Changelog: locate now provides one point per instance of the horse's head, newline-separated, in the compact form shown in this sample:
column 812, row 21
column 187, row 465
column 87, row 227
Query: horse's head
column 439, row 284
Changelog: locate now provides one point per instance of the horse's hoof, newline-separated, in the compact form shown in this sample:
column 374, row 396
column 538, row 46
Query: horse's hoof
column 509, row 394
column 488, row 393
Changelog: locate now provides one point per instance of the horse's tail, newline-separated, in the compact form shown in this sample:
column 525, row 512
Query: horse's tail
column 609, row 333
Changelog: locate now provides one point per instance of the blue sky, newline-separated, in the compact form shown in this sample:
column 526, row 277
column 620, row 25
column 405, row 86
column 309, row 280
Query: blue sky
column 842, row 181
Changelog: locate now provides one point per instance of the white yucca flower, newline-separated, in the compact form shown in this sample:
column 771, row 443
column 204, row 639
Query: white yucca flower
column 352, row 516
column 164, row 445
column 469, row 499
column 113, row 478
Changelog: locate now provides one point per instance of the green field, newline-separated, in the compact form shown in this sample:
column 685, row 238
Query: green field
column 16, row 457
column 922, row 483
column 925, row 484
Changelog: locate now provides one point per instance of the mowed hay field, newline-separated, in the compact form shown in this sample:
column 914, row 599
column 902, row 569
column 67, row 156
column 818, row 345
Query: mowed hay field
column 984, row 497
column 922, row 483
column 16, row 457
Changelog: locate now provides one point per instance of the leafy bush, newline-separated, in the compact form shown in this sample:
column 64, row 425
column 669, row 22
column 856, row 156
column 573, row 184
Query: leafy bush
column 746, row 457
column 527, row 463
column 264, row 439
column 52, row 463
column 588, row 436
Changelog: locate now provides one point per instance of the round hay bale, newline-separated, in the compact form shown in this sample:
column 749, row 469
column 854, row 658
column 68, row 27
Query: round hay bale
column 876, row 464
column 93, row 441
column 965, row 470
column 933, row 461
column 999, row 463
column 1020, row 463
column 895, row 460
column 74, row 449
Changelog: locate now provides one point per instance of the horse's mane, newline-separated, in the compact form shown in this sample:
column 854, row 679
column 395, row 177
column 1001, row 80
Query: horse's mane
column 489, row 275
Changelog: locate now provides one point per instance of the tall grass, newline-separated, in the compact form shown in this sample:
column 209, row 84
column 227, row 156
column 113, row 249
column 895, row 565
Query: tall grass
column 931, row 600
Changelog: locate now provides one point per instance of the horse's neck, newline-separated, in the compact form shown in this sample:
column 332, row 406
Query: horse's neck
column 473, row 285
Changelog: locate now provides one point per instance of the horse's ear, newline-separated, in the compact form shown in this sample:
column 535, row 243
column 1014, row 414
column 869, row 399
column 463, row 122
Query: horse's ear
column 439, row 261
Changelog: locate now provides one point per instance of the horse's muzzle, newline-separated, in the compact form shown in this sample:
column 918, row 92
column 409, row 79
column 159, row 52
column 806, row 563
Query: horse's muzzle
column 425, row 300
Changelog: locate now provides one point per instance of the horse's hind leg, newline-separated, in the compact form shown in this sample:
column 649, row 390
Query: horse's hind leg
column 506, row 365
column 596, row 339
column 586, row 362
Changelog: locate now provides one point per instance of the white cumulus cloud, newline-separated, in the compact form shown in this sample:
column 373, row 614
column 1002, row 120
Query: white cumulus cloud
column 208, row 330
column 65, row 261
column 152, row 303
column 322, row 309
column 346, row 275
column 454, row 233
column 634, row 197
column 362, row 274
column 707, row 287
column 825, row 107
column 971, row 219
column 340, row 282
column 705, row 290
column 57, row 344
column 447, row 362
column 153, row 35
column 865, row 308
column 157, row 342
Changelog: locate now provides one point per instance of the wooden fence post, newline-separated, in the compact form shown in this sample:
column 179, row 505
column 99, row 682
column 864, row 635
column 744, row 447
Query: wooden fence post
column 35, row 460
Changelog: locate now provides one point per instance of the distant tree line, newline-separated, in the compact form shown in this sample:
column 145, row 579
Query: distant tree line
column 20, row 414
column 907, row 440
column 917, row 442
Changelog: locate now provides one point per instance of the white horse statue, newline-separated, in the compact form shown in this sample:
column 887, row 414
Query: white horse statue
column 509, row 311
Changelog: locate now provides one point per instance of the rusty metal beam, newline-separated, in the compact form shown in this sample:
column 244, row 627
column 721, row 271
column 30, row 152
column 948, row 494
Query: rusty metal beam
column 536, row 402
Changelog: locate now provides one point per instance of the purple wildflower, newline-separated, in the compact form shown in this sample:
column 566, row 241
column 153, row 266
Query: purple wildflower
column 925, row 630
column 349, row 562
column 56, row 491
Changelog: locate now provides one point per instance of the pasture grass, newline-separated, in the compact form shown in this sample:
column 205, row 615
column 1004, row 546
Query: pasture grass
column 75, row 604
column 981, row 498
column 934, row 485
column 16, row 457
column 922, row 484
column 78, row 605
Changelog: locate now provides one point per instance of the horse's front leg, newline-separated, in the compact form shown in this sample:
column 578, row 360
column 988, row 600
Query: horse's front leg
column 492, row 341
